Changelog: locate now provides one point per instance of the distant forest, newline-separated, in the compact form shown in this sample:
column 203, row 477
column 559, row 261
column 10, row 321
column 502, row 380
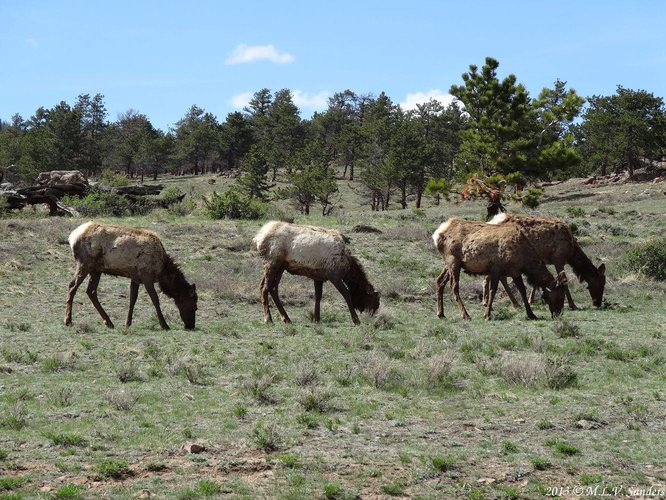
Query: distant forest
column 494, row 128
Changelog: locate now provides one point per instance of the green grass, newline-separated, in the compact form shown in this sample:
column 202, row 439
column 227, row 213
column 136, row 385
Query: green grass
column 404, row 404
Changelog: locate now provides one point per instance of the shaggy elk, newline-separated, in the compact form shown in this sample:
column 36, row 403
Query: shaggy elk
column 556, row 245
column 136, row 254
column 495, row 251
column 465, row 228
column 317, row 253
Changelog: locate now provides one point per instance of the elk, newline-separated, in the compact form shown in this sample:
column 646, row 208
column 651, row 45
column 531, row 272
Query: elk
column 317, row 253
column 136, row 254
column 556, row 245
column 464, row 228
column 495, row 251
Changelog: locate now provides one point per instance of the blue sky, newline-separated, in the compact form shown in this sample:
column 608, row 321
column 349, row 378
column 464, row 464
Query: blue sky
column 160, row 57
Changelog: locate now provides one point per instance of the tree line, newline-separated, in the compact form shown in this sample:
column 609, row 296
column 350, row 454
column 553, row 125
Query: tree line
column 493, row 127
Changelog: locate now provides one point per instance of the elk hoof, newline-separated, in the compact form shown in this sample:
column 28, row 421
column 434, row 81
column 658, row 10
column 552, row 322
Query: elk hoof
column 109, row 325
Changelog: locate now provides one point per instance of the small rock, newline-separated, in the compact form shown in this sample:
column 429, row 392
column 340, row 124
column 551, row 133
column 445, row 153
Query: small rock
column 188, row 397
column 519, row 421
column 587, row 424
column 192, row 448
column 486, row 480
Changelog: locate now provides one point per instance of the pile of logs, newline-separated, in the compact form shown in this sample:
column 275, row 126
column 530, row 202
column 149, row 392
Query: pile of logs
column 52, row 186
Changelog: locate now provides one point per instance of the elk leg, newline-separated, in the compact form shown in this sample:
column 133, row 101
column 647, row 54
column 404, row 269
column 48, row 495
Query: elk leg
column 440, row 283
column 570, row 301
column 92, row 295
column 267, row 283
column 152, row 293
column 79, row 276
column 455, row 288
column 273, row 289
column 523, row 294
column 263, row 293
column 508, row 291
column 494, row 282
column 486, row 291
column 340, row 286
column 134, row 293
column 319, row 288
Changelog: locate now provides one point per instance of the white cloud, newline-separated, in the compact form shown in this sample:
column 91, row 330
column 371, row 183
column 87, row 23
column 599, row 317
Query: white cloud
column 248, row 53
column 32, row 42
column 415, row 98
column 239, row 101
column 315, row 102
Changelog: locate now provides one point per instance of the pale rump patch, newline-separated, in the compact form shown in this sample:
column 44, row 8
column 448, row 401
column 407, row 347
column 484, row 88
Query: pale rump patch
column 442, row 227
column 498, row 219
column 78, row 232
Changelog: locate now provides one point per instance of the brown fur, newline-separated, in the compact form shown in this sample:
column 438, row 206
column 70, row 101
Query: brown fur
column 556, row 245
column 319, row 254
column 136, row 254
column 496, row 251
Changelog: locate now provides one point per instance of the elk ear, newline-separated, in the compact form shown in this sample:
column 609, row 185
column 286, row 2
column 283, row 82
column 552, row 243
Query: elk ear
column 561, row 279
column 602, row 269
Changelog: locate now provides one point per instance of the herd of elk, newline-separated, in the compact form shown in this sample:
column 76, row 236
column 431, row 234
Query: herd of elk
column 508, row 246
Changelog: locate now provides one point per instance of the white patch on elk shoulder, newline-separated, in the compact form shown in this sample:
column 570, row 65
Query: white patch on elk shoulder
column 316, row 249
column 78, row 232
column 498, row 219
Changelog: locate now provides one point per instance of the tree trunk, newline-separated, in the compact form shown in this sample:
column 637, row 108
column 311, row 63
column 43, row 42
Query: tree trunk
column 403, row 196
column 634, row 163
column 419, row 197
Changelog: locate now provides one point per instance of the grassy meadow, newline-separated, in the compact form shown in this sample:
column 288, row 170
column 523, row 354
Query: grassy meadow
column 404, row 405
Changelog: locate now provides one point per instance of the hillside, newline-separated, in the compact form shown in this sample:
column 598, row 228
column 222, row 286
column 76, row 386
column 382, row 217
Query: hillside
column 405, row 404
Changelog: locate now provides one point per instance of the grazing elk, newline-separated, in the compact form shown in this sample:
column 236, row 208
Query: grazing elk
column 495, row 251
column 317, row 253
column 136, row 254
column 556, row 245
column 463, row 228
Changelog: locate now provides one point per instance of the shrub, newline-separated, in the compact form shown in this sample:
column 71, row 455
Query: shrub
column 565, row 329
column 69, row 492
column 113, row 179
column 64, row 439
column 100, row 203
column 112, row 468
column 648, row 259
column 540, row 463
column 576, row 211
column 333, row 491
column 171, row 194
column 443, row 464
column 266, row 437
column 232, row 204
column 531, row 198
column 12, row 483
